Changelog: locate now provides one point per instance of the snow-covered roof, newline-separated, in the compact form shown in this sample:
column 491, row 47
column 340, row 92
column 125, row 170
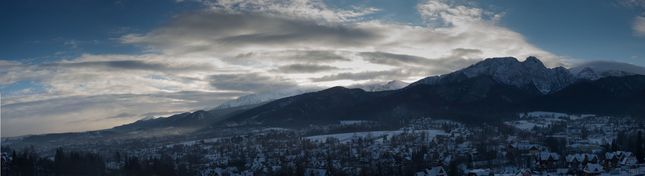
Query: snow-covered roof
column 593, row 168
column 580, row 157
column 543, row 156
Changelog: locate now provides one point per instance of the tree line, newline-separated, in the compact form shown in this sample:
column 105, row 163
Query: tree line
column 72, row 163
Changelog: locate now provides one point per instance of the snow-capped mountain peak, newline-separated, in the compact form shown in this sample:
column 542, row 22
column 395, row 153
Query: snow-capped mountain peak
column 396, row 84
column 533, row 62
column 510, row 71
column 600, row 69
column 587, row 73
column 373, row 87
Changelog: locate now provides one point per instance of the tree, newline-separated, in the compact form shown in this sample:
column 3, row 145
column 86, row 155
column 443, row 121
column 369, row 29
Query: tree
column 117, row 157
column 639, row 148
column 453, row 170
column 555, row 144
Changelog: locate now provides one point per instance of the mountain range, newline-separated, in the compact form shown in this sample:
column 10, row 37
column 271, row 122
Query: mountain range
column 263, row 97
column 490, row 89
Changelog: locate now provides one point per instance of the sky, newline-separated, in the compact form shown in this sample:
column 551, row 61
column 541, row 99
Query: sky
column 69, row 66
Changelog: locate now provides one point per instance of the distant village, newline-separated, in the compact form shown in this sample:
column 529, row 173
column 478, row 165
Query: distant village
column 538, row 143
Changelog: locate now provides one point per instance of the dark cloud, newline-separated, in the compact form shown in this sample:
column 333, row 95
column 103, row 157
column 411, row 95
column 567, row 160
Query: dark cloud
column 317, row 56
column 297, row 56
column 251, row 82
column 465, row 52
column 459, row 58
column 304, row 68
column 132, row 65
column 122, row 115
column 370, row 75
column 394, row 59
column 219, row 31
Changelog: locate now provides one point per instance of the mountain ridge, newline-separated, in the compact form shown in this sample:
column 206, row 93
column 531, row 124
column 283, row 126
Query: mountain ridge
column 510, row 71
column 469, row 94
column 495, row 85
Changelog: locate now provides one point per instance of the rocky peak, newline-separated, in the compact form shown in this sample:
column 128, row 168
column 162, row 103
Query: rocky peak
column 587, row 73
column 510, row 71
column 381, row 86
column 533, row 61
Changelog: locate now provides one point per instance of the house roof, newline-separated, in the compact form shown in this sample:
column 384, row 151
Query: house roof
column 593, row 168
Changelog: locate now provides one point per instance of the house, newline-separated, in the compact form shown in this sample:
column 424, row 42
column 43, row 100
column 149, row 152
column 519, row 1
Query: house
column 593, row 169
column 315, row 172
column 524, row 172
column 581, row 159
column 479, row 172
column 547, row 160
column 434, row 171
column 613, row 159
column 629, row 161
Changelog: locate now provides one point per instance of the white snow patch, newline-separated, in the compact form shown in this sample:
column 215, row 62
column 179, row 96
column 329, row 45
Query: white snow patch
column 347, row 137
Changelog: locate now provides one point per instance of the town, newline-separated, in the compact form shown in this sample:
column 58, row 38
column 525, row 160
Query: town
column 538, row 143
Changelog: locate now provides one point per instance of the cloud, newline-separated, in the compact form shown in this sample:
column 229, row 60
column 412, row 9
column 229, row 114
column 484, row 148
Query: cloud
column 258, row 35
column 459, row 58
column 311, row 10
column 225, row 33
column 228, row 34
column 116, row 65
column 369, row 75
column 632, row 3
column 465, row 52
column 304, row 68
column 250, row 82
column 602, row 66
column 639, row 26
column 243, row 46
column 289, row 56
column 394, row 59
column 118, row 74
column 12, row 72
column 444, row 12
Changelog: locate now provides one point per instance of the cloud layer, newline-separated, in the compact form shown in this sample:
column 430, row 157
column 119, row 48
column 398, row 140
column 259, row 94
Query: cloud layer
column 229, row 48
column 639, row 26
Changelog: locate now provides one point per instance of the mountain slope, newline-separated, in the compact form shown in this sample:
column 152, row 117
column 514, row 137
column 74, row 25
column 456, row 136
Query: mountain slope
column 467, row 96
column 609, row 95
column 600, row 69
column 323, row 106
column 189, row 120
column 374, row 87
column 263, row 97
column 486, row 89
column 184, row 124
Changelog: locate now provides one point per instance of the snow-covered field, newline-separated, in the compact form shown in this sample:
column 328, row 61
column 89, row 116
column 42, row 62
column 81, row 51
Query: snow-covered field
column 543, row 114
column 524, row 125
column 542, row 119
column 532, row 123
column 347, row 137
column 193, row 142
